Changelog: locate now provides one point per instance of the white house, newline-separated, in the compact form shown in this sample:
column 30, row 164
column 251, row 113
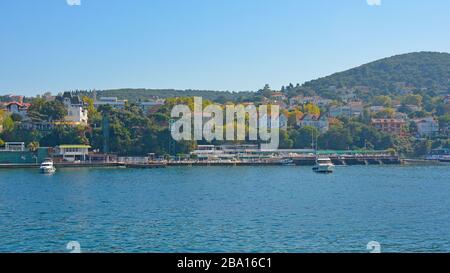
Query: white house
column 114, row 102
column 319, row 122
column 72, row 152
column 148, row 105
column 427, row 127
column 76, row 112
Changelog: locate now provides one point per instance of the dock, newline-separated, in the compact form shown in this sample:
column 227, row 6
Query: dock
column 338, row 160
column 351, row 160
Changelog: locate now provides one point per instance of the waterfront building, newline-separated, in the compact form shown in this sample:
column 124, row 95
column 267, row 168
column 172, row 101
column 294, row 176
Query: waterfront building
column 17, row 153
column 390, row 126
column 427, row 127
column 76, row 111
column 72, row 153
column 14, row 147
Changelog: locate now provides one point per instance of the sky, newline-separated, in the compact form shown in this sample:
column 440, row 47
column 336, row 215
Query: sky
column 236, row 45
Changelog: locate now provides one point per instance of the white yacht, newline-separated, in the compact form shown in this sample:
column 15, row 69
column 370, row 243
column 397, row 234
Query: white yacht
column 47, row 166
column 323, row 165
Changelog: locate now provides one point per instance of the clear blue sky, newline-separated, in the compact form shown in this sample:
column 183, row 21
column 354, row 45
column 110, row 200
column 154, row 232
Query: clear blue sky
column 48, row 45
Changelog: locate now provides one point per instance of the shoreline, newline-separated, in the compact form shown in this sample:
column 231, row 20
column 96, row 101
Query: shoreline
column 154, row 165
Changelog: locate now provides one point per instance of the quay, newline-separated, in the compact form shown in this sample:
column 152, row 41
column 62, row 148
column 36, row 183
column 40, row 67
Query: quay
column 85, row 165
column 352, row 160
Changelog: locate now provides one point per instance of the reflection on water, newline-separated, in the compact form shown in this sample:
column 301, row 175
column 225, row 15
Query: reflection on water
column 226, row 209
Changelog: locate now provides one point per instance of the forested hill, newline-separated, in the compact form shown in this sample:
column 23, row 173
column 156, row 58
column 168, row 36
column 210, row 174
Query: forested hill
column 420, row 70
column 143, row 94
column 427, row 72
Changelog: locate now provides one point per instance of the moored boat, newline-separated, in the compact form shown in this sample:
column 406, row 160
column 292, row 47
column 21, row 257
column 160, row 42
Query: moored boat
column 47, row 166
column 323, row 165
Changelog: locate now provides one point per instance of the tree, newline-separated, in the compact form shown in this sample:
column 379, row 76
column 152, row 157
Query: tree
column 336, row 138
column 385, row 101
column 444, row 123
column 412, row 100
column 54, row 110
column 93, row 114
column 63, row 134
column 8, row 124
column 422, row 147
column 41, row 109
column 285, row 141
column 311, row 109
column 33, row 146
column 385, row 113
column 304, row 137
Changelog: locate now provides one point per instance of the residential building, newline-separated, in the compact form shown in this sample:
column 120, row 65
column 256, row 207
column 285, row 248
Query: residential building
column 390, row 126
column 300, row 100
column 114, row 102
column 348, row 96
column 376, row 109
column 19, row 108
column 147, row 106
column 76, row 111
column 351, row 109
column 447, row 99
column 427, row 127
column 282, row 121
column 320, row 122
column 278, row 96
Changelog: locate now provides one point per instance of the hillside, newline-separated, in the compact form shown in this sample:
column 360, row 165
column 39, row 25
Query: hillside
column 144, row 94
column 425, row 71
column 393, row 75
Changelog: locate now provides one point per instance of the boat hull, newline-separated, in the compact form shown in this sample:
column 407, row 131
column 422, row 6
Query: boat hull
column 323, row 169
column 47, row 170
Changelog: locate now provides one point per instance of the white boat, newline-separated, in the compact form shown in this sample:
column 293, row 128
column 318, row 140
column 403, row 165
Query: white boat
column 47, row 166
column 323, row 165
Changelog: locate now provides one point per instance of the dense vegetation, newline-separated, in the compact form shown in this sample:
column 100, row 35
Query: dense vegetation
column 134, row 95
column 421, row 70
column 133, row 132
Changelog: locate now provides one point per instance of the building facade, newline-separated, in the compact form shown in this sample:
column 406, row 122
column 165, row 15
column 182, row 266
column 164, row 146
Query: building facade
column 390, row 126
column 427, row 127
column 76, row 111
column 320, row 122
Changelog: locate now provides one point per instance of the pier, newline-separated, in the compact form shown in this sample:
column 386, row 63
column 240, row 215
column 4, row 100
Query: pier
column 351, row 160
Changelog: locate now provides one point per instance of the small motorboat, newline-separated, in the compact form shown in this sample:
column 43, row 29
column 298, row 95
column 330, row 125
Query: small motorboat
column 323, row 165
column 288, row 162
column 47, row 166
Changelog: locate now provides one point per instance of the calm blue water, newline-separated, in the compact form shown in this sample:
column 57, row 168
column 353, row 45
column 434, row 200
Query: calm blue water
column 226, row 209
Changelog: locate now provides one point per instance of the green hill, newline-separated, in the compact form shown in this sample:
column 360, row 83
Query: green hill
column 426, row 71
column 145, row 94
